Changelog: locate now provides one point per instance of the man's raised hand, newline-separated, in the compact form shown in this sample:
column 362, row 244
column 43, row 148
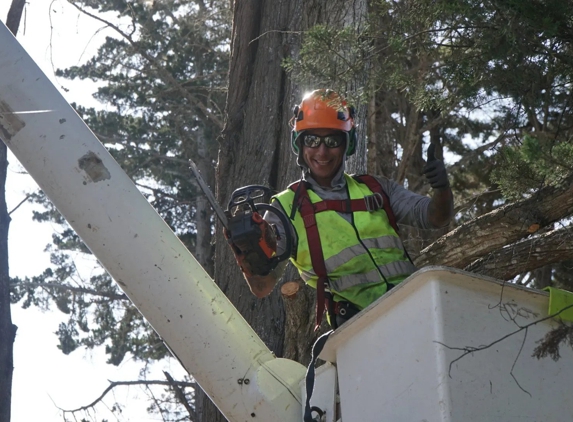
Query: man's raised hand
column 435, row 171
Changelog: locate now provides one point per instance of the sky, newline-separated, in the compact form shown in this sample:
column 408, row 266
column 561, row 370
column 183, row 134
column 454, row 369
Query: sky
column 45, row 380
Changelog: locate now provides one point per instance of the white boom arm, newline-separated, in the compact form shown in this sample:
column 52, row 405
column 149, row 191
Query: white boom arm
column 164, row 281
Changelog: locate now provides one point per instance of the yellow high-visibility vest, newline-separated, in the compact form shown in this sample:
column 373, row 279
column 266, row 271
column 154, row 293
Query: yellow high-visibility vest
column 359, row 256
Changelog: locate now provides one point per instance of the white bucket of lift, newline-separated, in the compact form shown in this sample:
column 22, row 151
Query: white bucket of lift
column 406, row 358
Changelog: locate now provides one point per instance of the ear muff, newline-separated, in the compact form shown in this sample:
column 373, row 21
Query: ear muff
column 352, row 137
column 293, row 135
column 295, row 112
column 351, row 147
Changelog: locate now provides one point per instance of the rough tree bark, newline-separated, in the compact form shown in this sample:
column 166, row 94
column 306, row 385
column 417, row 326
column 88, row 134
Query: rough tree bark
column 381, row 140
column 250, row 149
column 255, row 147
column 7, row 328
column 502, row 227
column 527, row 255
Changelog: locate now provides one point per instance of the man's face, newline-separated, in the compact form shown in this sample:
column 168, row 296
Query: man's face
column 322, row 161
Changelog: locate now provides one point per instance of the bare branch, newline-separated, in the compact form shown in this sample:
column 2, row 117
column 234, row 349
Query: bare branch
column 526, row 255
column 181, row 396
column 275, row 31
column 15, row 15
column 515, row 361
column 65, row 287
column 501, row 227
column 160, row 409
column 20, row 203
column 470, row 349
column 113, row 384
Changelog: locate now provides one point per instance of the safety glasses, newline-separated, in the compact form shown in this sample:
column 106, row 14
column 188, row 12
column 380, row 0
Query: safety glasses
column 331, row 141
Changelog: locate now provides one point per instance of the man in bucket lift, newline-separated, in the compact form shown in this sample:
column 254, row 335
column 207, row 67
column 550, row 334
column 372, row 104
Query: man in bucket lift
column 346, row 242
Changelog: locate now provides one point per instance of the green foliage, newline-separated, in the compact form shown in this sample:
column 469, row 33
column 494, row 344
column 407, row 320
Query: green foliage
column 490, row 82
column 496, row 70
column 444, row 52
column 497, row 73
column 98, row 312
column 324, row 61
column 535, row 164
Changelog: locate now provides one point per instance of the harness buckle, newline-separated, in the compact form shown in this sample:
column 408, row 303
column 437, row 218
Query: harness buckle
column 373, row 202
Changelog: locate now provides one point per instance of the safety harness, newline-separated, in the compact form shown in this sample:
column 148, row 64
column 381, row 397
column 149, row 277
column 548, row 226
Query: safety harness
column 378, row 200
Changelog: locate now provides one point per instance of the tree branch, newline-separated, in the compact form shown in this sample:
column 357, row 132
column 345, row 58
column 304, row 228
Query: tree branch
column 15, row 15
column 470, row 349
column 20, row 203
column 526, row 255
column 501, row 227
column 160, row 69
column 180, row 395
column 29, row 284
column 113, row 384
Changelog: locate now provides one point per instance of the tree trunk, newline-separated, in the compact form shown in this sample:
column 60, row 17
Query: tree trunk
column 7, row 329
column 203, row 249
column 255, row 147
column 381, row 137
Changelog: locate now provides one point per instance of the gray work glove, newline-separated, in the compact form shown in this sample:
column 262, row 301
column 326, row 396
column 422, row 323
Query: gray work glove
column 435, row 171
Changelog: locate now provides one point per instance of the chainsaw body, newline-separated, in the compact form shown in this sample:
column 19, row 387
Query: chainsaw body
column 249, row 233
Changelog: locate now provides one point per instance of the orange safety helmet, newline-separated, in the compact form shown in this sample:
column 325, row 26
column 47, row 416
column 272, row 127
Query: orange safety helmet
column 323, row 109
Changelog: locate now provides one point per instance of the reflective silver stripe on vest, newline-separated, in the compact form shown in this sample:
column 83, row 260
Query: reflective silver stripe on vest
column 347, row 254
column 389, row 270
column 307, row 275
column 341, row 258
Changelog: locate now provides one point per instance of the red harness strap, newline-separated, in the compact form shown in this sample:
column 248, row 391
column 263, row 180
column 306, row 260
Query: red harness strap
column 375, row 186
column 308, row 211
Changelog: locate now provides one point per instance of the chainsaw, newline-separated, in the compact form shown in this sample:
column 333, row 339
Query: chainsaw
column 245, row 228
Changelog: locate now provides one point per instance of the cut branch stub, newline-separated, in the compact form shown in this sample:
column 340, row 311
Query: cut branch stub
column 290, row 289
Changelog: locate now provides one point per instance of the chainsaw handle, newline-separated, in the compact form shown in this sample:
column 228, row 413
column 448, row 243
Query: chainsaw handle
column 247, row 195
column 283, row 218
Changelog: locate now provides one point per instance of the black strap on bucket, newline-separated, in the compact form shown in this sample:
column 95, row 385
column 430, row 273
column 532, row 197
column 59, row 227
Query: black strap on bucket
column 316, row 349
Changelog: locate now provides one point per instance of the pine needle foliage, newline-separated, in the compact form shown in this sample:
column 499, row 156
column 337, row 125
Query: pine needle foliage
column 535, row 163
column 490, row 83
